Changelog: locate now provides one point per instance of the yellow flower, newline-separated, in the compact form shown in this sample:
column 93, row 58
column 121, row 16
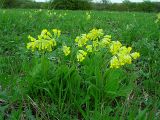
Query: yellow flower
column 66, row 50
column 94, row 34
column 125, row 50
column 106, row 40
column 43, row 43
column 95, row 43
column 81, row 55
column 115, row 46
column 123, row 56
column 114, row 63
column 89, row 48
column 135, row 55
column 81, row 40
column 124, row 59
column 56, row 32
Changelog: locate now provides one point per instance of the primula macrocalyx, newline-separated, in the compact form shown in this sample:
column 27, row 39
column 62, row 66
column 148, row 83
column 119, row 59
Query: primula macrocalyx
column 115, row 46
column 56, row 32
column 66, row 50
column 81, row 55
column 94, row 34
column 45, row 42
column 81, row 40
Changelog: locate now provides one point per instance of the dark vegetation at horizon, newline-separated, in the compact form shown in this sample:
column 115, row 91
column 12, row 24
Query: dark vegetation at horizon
column 146, row 6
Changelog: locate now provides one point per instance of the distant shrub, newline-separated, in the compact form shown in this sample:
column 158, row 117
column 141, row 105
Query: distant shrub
column 22, row 4
column 129, row 6
column 7, row 3
column 71, row 4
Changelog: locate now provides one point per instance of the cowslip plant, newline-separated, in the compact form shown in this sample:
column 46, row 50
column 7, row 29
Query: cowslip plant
column 85, row 78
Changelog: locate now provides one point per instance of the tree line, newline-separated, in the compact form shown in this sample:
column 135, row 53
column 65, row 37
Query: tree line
column 126, row 5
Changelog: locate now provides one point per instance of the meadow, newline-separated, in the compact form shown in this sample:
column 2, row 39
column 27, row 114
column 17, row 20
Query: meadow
column 52, row 86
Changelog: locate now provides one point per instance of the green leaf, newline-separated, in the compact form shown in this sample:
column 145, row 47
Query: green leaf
column 113, row 79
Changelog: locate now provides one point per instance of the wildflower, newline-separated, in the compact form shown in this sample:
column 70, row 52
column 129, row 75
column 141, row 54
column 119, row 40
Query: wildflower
column 124, row 50
column 94, row 34
column 89, row 48
column 123, row 56
column 95, row 43
column 115, row 46
column 56, row 32
column 45, row 34
column 41, row 45
column 45, row 42
column 106, row 40
column 81, row 40
column 81, row 55
column 66, row 50
column 135, row 55
column 124, row 59
column 114, row 63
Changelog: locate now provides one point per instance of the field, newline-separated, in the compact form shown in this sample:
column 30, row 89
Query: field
column 52, row 86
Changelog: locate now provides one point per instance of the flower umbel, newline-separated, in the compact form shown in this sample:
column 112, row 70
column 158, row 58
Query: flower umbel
column 115, row 46
column 81, row 40
column 66, row 50
column 45, row 42
column 94, row 34
column 56, row 32
column 81, row 55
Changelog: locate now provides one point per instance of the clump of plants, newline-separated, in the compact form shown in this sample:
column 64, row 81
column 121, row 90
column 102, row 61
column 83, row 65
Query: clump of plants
column 90, row 72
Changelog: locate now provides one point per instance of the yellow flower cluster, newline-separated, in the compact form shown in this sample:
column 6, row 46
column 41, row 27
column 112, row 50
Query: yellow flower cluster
column 66, row 50
column 88, row 43
column 95, row 39
column 45, row 41
column 115, row 46
column 81, row 40
column 81, row 55
column 94, row 34
column 106, row 40
column 121, row 54
column 56, row 32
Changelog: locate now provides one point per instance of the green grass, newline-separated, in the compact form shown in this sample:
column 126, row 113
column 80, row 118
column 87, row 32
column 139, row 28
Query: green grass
column 61, row 88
